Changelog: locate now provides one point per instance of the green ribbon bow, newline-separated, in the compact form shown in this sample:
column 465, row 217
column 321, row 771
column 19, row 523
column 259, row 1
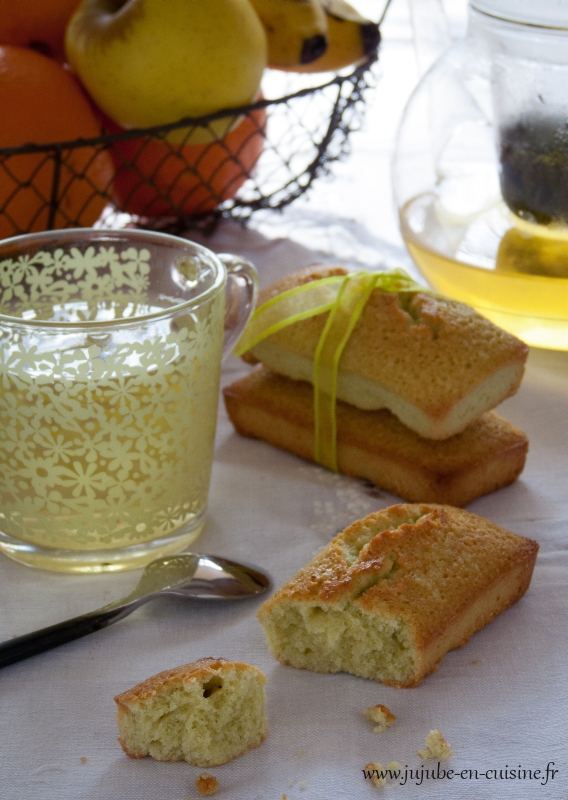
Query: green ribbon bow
column 345, row 297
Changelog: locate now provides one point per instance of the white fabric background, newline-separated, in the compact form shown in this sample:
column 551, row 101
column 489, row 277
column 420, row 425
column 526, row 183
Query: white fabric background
column 501, row 699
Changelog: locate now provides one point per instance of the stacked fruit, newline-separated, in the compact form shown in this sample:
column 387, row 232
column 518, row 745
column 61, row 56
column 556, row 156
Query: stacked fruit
column 72, row 69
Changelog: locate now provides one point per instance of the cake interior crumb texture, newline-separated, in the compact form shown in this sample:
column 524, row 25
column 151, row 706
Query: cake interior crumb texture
column 205, row 713
column 388, row 597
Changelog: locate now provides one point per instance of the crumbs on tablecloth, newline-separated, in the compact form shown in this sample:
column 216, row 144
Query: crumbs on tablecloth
column 83, row 760
column 381, row 715
column 436, row 746
column 206, row 784
column 377, row 779
column 377, row 768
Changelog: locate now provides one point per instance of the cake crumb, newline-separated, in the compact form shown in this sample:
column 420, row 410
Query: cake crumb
column 379, row 779
column 381, row 715
column 436, row 746
column 303, row 785
column 83, row 760
column 375, row 779
column 301, row 751
column 206, row 784
column 284, row 797
column 475, row 661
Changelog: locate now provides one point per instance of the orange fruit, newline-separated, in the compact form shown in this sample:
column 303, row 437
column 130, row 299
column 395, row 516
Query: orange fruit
column 39, row 24
column 154, row 178
column 42, row 103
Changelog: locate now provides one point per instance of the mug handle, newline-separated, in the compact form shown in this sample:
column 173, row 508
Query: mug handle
column 241, row 294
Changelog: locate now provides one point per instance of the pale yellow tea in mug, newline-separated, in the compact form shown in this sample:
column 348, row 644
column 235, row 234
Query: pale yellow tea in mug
column 106, row 434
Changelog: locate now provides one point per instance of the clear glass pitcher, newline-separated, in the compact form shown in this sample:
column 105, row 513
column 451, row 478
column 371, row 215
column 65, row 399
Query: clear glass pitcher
column 481, row 168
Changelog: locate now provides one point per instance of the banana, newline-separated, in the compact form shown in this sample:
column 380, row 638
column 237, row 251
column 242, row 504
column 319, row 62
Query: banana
column 351, row 38
column 296, row 31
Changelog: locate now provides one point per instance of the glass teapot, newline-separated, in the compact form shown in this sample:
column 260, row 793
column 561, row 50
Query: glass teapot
column 480, row 170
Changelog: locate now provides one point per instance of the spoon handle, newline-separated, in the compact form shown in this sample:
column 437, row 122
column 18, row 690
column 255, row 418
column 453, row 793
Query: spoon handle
column 37, row 642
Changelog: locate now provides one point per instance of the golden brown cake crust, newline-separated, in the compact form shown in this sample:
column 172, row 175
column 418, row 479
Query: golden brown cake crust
column 425, row 539
column 432, row 351
column 444, row 571
column 375, row 445
column 197, row 670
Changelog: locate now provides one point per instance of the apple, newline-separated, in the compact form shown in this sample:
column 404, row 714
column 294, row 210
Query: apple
column 153, row 62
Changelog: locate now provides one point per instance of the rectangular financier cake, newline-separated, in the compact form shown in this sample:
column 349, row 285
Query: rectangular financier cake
column 433, row 362
column 388, row 597
column 374, row 445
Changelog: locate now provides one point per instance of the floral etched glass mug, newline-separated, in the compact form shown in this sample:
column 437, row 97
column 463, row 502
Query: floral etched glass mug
column 110, row 353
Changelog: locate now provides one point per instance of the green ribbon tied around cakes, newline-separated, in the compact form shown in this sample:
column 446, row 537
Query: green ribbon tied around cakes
column 344, row 297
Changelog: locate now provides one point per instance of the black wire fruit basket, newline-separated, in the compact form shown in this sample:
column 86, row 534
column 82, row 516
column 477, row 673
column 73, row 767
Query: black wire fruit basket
column 190, row 173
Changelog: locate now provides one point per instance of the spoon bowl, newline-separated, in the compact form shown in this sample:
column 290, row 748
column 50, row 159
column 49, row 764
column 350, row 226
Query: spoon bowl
column 202, row 577
column 197, row 576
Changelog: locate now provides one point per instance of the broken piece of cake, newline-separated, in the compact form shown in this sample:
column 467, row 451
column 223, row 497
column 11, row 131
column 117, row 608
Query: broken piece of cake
column 391, row 594
column 206, row 713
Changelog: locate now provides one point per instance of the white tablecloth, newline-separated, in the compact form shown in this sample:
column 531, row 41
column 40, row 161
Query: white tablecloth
column 500, row 700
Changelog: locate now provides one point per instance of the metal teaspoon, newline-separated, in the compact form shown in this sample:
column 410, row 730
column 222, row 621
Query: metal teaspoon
column 187, row 575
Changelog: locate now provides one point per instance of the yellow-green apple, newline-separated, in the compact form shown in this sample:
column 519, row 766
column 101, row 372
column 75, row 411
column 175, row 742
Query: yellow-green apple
column 153, row 62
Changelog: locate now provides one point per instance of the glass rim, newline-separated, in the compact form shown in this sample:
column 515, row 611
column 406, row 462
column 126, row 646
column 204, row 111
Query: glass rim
column 82, row 235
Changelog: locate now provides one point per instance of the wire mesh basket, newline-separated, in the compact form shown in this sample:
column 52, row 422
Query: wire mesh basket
column 190, row 173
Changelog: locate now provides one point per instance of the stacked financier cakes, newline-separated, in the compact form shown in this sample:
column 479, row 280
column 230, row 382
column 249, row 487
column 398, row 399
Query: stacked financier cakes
column 417, row 381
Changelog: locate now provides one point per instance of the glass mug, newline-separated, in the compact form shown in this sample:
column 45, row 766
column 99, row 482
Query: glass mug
column 110, row 355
